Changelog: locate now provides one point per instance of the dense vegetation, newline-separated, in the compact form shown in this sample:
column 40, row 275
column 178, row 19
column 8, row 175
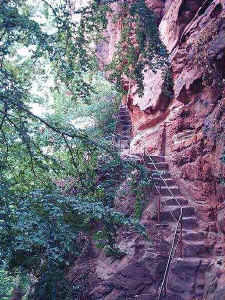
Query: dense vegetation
column 58, row 180
column 141, row 43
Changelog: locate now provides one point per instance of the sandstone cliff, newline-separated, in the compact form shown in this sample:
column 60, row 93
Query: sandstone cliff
column 184, row 132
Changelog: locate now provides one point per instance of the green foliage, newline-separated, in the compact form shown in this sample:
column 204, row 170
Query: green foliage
column 97, row 116
column 140, row 184
column 56, row 181
column 138, row 25
column 223, row 158
column 6, row 285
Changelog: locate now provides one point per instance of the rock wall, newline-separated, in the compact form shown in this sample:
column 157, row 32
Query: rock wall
column 192, row 133
column 188, row 129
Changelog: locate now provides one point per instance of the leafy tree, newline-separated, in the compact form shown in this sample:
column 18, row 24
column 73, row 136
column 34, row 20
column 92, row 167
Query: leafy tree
column 56, row 181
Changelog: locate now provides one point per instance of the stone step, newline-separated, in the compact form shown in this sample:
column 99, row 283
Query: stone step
column 171, row 201
column 122, row 135
column 126, row 131
column 124, row 118
column 180, row 264
column 161, row 174
column 124, row 139
column 157, row 166
column 194, row 235
column 165, row 181
column 197, row 249
column 186, row 133
column 189, row 223
column 157, row 159
column 126, row 125
column 187, row 211
column 164, row 216
column 193, row 259
column 147, row 159
column 123, row 114
column 171, row 191
column 172, row 215
column 124, row 122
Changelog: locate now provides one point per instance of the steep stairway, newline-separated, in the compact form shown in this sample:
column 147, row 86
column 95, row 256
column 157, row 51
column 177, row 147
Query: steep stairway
column 173, row 205
column 192, row 249
column 123, row 130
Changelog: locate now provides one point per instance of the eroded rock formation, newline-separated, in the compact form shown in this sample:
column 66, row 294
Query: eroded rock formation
column 187, row 128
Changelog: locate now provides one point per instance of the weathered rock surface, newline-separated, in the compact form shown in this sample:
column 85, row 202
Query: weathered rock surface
column 188, row 129
column 141, row 272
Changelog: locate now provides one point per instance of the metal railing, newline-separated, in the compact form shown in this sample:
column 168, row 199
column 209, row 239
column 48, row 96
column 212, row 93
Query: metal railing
column 179, row 224
column 178, row 233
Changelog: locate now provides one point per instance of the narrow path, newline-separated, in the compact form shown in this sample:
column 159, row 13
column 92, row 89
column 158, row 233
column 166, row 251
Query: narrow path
column 123, row 128
column 193, row 249
column 172, row 202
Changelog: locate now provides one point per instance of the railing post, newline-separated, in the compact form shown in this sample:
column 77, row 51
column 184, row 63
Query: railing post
column 181, row 236
column 159, row 208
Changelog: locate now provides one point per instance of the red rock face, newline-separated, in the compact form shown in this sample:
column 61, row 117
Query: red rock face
column 188, row 130
column 107, row 47
column 195, row 132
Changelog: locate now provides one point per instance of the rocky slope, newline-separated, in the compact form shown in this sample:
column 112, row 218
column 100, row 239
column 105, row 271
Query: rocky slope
column 184, row 133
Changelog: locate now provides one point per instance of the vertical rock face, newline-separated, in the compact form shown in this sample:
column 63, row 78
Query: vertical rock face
column 187, row 128
column 107, row 47
column 195, row 125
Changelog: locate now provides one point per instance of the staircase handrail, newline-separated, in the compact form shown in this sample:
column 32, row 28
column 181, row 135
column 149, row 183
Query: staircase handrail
column 168, row 188
column 179, row 222
column 171, row 256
